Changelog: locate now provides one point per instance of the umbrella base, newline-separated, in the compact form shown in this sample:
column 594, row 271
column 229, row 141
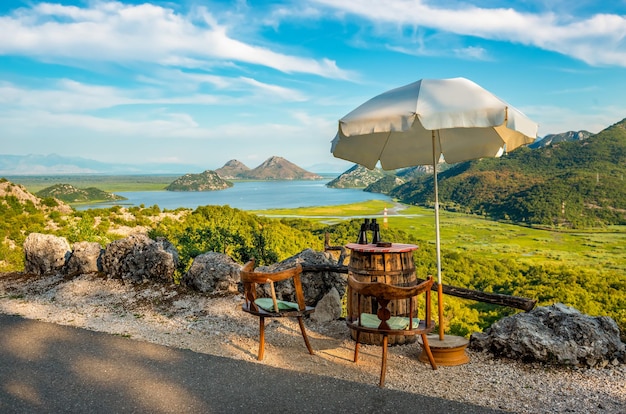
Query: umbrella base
column 449, row 352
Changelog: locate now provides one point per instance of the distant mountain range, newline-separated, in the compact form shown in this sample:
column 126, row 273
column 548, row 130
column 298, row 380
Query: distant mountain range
column 562, row 137
column 274, row 168
column 54, row 164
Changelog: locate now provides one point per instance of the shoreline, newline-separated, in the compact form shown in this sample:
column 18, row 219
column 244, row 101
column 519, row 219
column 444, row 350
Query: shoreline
column 119, row 182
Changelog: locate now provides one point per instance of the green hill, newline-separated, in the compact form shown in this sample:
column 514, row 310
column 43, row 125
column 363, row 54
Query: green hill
column 569, row 184
column 205, row 181
column 70, row 194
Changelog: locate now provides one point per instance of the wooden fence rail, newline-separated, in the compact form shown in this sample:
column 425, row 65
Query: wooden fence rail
column 485, row 297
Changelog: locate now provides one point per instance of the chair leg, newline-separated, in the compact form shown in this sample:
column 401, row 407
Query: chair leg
column 356, row 347
column 431, row 358
column 261, row 338
column 306, row 338
column 383, row 367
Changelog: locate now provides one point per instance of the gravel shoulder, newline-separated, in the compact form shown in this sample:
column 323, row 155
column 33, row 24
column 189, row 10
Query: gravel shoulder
column 173, row 316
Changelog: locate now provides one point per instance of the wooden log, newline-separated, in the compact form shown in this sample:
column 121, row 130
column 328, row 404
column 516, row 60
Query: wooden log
column 515, row 302
column 325, row 268
column 492, row 298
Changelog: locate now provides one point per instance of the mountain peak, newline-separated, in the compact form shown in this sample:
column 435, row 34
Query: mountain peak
column 562, row 137
column 278, row 168
column 232, row 170
column 236, row 163
column 274, row 160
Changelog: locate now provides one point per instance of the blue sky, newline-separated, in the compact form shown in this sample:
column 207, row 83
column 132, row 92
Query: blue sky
column 203, row 82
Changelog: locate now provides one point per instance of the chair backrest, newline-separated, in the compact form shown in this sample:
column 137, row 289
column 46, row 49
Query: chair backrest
column 250, row 279
column 385, row 293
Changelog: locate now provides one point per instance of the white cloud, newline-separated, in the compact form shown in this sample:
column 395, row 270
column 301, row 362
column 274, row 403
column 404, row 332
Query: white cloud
column 597, row 40
column 65, row 95
column 172, row 87
column 183, row 83
column 274, row 90
column 471, row 52
column 126, row 34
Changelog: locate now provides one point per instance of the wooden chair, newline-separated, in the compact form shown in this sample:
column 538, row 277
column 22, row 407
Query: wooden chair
column 272, row 307
column 383, row 323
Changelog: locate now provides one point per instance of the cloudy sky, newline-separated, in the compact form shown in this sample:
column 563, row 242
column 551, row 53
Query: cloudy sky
column 202, row 82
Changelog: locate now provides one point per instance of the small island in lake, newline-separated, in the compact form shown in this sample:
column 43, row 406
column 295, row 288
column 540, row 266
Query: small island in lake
column 205, row 181
column 71, row 195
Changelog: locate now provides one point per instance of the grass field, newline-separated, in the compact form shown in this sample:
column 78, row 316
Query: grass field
column 605, row 248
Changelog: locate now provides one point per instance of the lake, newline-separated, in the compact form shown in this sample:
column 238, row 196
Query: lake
column 247, row 195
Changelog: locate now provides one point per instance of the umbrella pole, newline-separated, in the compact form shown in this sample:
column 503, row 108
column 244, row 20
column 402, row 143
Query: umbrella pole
column 437, row 241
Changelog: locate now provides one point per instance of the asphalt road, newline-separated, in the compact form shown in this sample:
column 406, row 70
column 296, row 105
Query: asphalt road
column 48, row 368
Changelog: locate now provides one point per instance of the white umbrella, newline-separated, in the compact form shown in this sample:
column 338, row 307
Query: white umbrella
column 418, row 123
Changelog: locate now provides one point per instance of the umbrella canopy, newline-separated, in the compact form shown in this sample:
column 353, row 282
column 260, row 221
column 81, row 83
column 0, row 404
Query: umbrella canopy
column 419, row 123
column 396, row 127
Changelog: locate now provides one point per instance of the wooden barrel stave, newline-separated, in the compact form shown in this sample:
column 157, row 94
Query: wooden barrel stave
column 396, row 268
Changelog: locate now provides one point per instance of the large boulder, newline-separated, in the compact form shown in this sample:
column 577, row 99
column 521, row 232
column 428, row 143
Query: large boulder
column 138, row 258
column 45, row 253
column 85, row 259
column 556, row 334
column 213, row 273
column 315, row 284
column 329, row 308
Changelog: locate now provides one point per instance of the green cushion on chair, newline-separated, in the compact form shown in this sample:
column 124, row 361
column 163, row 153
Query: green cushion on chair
column 370, row 320
column 268, row 304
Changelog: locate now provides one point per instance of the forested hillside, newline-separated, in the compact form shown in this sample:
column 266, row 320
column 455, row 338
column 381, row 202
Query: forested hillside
column 570, row 184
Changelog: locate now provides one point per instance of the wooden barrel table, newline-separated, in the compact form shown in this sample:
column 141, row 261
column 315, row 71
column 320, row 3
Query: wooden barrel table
column 392, row 265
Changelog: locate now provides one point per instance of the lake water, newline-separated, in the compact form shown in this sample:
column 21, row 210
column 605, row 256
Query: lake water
column 247, row 195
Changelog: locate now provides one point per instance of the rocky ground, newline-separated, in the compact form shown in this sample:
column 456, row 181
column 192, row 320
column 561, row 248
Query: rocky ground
column 173, row 316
